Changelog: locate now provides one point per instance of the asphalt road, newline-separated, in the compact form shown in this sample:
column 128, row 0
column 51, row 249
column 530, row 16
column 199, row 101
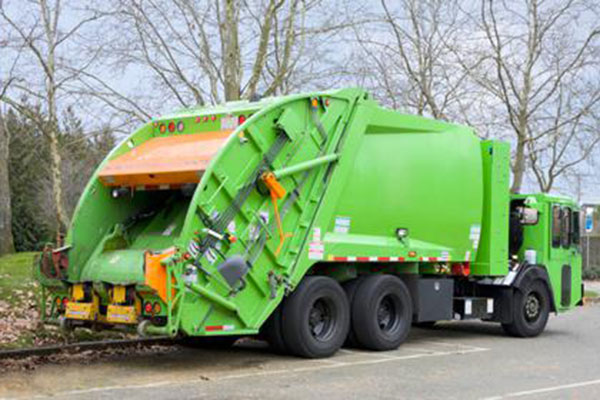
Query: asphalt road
column 459, row 360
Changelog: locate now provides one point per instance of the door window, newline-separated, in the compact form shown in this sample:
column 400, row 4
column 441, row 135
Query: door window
column 565, row 228
column 556, row 226
column 575, row 225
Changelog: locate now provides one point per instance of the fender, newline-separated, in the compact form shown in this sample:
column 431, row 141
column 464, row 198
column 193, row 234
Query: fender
column 531, row 272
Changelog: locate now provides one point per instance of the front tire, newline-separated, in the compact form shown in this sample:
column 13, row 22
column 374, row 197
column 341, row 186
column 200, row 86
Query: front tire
column 531, row 311
column 382, row 312
column 316, row 318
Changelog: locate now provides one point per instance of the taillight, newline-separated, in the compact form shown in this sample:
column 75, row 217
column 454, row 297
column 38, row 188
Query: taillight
column 157, row 307
column 205, row 119
column 171, row 126
column 163, row 128
column 213, row 118
column 198, row 119
column 148, row 308
column 65, row 301
column 241, row 119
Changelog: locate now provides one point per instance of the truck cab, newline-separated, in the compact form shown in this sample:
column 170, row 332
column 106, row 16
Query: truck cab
column 544, row 230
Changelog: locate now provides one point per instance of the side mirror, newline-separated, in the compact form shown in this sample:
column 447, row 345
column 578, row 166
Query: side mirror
column 529, row 216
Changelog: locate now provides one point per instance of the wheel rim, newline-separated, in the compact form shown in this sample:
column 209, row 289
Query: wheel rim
column 388, row 314
column 532, row 308
column 321, row 319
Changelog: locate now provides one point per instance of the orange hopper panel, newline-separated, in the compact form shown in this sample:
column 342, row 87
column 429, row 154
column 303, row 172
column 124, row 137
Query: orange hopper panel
column 167, row 160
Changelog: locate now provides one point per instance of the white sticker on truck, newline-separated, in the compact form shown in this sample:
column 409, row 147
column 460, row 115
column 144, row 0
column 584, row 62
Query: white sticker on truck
column 490, row 306
column 468, row 307
column 342, row 225
column 229, row 122
column 316, row 248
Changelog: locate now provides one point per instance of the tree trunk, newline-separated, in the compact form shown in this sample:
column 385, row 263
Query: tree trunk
column 231, row 57
column 518, row 167
column 6, row 237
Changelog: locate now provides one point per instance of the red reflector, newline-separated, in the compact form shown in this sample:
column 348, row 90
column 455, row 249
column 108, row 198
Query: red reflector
column 157, row 307
column 171, row 126
column 212, row 328
column 148, row 308
column 213, row 118
column 241, row 119
column 205, row 119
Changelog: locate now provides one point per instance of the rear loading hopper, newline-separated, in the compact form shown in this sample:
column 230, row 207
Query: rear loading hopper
column 202, row 222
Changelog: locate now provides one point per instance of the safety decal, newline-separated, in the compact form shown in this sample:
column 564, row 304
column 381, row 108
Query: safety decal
column 316, row 248
column 474, row 235
column 229, row 122
column 366, row 259
column 342, row 225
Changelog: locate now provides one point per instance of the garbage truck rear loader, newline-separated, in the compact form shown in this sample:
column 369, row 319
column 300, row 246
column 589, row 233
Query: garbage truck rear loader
column 311, row 220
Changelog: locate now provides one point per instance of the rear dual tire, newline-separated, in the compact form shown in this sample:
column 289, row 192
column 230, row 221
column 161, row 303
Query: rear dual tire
column 381, row 312
column 373, row 312
column 315, row 318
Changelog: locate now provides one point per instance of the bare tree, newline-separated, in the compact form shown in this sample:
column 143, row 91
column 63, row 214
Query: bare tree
column 38, row 34
column 568, row 138
column 206, row 52
column 532, row 52
column 408, row 56
column 6, row 237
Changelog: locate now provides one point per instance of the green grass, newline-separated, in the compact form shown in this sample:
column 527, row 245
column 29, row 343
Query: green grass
column 16, row 274
column 590, row 294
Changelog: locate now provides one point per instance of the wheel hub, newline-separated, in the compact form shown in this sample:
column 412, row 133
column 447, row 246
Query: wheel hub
column 320, row 320
column 386, row 314
column 532, row 307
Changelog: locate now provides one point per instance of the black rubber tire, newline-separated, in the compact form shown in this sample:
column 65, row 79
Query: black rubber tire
column 208, row 343
column 316, row 318
column 534, row 324
column 272, row 332
column 350, row 289
column 377, row 298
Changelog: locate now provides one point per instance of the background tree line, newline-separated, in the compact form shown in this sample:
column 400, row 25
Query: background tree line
column 76, row 76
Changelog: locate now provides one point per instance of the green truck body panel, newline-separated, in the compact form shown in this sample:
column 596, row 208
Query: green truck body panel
column 492, row 253
column 354, row 173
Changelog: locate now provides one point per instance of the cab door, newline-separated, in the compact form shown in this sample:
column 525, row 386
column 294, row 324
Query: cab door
column 565, row 259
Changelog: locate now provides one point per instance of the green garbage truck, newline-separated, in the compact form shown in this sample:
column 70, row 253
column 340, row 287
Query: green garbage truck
column 313, row 221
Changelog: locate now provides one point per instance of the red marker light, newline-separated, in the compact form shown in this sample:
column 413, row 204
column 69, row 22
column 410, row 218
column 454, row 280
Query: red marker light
column 171, row 126
column 148, row 308
column 241, row 119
